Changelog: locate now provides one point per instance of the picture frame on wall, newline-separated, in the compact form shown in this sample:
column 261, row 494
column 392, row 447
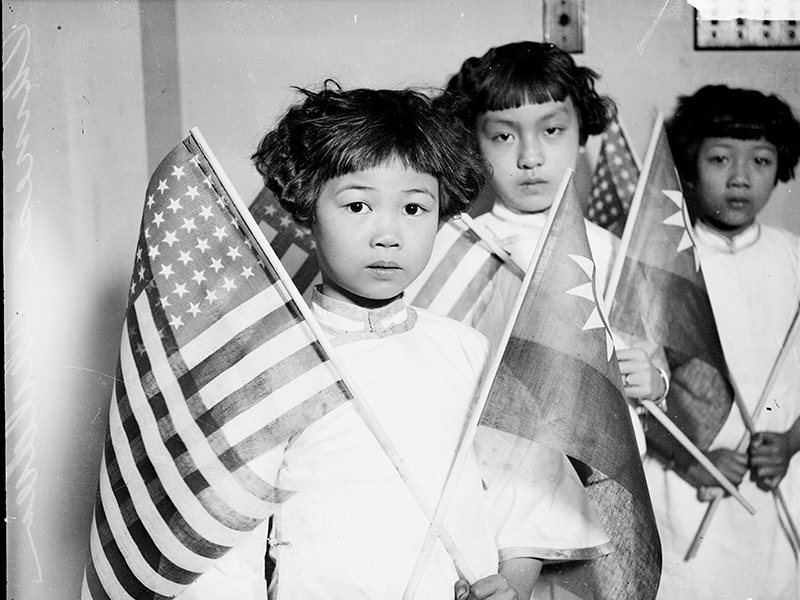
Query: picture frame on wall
column 745, row 34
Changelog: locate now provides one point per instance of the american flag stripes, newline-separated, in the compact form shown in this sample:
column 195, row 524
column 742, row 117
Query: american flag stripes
column 217, row 366
column 460, row 268
column 294, row 247
column 613, row 181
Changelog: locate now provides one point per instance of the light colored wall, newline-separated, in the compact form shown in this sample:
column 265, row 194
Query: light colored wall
column 74, row 167
column 73, row 189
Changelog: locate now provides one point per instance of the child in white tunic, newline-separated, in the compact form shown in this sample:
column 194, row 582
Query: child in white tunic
column 731, row 147
column 531, row 109
column 370, row 174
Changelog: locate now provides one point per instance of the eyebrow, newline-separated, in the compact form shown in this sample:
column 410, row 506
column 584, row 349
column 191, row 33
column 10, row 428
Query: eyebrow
column 407, row 191
column 561, row 111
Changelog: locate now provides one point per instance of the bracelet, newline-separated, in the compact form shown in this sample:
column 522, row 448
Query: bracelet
column 661, row 401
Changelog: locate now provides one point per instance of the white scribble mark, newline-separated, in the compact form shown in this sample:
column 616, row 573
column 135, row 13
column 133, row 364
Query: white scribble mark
column 643, row 44
column 20, row 39
column 23, row 415
column 94, row 371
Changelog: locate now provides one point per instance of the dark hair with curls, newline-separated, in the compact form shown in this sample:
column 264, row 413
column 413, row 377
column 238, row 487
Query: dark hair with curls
column 530, row 73
column 743, row 114
column 334, row 132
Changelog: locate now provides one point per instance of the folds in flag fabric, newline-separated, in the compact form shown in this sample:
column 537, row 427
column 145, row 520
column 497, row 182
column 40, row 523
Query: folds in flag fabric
column 294, row 247
column 661, row 296
column 460, row 269
column 613, row 181
column 216, row 367
column 558, row 384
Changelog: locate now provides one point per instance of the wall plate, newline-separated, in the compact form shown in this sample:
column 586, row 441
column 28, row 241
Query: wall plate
column 564, row 24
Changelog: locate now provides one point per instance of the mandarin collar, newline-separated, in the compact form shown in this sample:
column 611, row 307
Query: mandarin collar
column 349, row 322
column 715, row 240
column 532, row 220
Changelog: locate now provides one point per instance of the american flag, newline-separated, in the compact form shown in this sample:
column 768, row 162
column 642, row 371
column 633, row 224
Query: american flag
column 461, row 266
column 558, row 383
column 294, row 247
column 217, row 365
column 657, row 292
column 613, row 181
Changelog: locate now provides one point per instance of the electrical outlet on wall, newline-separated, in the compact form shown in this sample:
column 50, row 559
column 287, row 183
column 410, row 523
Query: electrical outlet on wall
column 564, row 24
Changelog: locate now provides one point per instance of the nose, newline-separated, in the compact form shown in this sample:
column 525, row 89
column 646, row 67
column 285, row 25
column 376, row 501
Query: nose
column 531, row 154
column 387, row 232
column 740, row 173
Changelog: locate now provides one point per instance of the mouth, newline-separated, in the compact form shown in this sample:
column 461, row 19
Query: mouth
column 384, row 268
column 737, row 202
column 532, row 183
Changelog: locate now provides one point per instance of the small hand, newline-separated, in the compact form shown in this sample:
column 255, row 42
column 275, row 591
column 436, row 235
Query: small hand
column 770, row 453
column 494, row 587
column 639, row 376
column 733, row 465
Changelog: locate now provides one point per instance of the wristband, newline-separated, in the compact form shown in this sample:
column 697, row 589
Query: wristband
column 662, row 400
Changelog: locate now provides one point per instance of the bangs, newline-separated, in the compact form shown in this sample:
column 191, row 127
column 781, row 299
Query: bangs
column 740, row 127
column 526, row 84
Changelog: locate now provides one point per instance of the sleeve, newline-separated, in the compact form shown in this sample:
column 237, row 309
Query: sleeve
column 239, row 573
column 537, row 505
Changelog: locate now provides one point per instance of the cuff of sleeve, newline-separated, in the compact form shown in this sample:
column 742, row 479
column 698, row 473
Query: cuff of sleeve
column 556, row 554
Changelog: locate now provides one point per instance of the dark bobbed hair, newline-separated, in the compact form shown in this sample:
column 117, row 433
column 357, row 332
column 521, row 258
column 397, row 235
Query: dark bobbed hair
column 334, row 132
column 744, row 114
column 531, row 73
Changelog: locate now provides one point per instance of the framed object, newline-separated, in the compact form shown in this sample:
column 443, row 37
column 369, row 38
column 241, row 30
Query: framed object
column 745, row 34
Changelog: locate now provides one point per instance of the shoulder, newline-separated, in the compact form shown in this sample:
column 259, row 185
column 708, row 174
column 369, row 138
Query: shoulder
column 778, row 236
column 453, row 335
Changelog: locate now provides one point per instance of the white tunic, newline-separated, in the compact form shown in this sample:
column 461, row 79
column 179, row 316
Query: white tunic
column 352, row 529
column 754, row 286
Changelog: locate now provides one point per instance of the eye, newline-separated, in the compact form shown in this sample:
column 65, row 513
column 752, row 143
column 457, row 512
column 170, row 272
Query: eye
column 763, row 161
column 718, row 159
column 502, row 137
column 413, row 210
column 357, row 207
column 554, row 131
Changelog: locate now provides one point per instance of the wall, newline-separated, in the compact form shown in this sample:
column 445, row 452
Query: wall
column 96, row 91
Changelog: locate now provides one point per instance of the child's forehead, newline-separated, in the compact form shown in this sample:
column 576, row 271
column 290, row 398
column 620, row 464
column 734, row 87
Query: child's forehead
column 751, row 144
column 532, row 111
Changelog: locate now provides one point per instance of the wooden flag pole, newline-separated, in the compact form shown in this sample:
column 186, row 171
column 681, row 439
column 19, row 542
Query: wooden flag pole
column 633, row 212
column 788, row 343
column 359, row 403
column 611, row 290
column 697, row 453
column 493, row 245
column 472, row 426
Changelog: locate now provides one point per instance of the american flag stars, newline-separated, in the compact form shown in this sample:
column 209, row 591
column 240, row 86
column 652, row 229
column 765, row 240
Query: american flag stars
column 191, row 251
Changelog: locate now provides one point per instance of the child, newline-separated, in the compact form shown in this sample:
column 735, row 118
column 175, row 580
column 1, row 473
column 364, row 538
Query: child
column 531, row 109
column 370, row 174
column 731, row 147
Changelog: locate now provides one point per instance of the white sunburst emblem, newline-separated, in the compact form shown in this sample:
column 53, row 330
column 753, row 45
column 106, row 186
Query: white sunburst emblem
column 588, row 291
column 678, row 219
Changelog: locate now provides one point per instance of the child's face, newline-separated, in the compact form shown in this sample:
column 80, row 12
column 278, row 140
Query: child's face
column 529, row 148
column 374, row 232
column 735, row 179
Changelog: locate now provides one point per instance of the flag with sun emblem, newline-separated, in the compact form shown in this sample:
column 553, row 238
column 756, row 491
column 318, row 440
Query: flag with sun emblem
column 657, row 292
column 217, row 366
column 558, row 384
column 613, row 181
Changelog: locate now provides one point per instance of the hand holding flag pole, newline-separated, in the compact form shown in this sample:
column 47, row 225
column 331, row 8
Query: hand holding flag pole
column 613, row 285
column 359, row 403
column 434, row 531
column 749, row 420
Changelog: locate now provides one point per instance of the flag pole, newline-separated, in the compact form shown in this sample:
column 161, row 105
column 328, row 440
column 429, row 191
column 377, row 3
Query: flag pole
column 633, row 212
column 696, row 453
column 611, row 290
column 493, row 245
column 788, row 343
column 359, row 403
column 472, row 426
